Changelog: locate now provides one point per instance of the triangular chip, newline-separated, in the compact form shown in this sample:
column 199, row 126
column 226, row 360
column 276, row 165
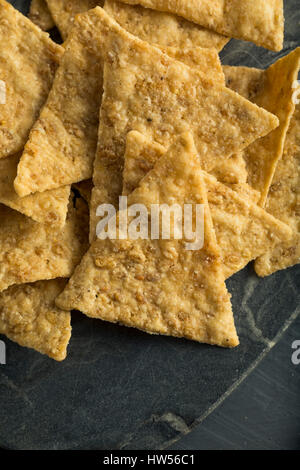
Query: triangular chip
column 242, row 228
column 64, row 11
column 163, row 28
column 50, row 207
column 273, row 90
column 63, row 141
column 30, row 251
column 158, row 285
column 259, row 21
column 39, row 14
column 29, row 316
column 284, row 203
column 28, row 61
column 161, row 97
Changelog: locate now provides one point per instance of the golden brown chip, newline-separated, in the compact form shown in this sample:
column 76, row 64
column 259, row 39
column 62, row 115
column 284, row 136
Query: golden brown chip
column 284, row 203
column 29, row 316
column 50, row 207
column 64, row 11
column 158, row 285
column 30, row 251
column 273, row 90
column 161, row 28
column 40, row 15
column 259, row 21
column 28, row 61
column 242, row 228
column 161, row 97
column 199, row 58
column 62, row 143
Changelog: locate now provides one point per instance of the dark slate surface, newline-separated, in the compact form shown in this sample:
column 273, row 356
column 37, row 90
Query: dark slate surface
column 122, row 389
column 263, row 413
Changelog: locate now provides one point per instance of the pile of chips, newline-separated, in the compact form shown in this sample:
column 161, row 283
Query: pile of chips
column 136, row 103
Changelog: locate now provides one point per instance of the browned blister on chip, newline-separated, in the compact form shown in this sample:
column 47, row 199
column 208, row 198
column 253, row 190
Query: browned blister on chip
column 160, row 286
column 242, row 228
column 30, row 251
column 284, row 203
column 29, row 316
column 28, row 61
column 273, row 90
column 63, row 141
column 259, row 21
column 49, row 207
column 163, row 28
column 160, row 97
column 64, row 11
column 40, row 15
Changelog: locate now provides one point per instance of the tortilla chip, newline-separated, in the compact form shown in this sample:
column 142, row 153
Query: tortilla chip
column 259, row 21
column 39, row 14
column 30, row 251
column 64, row 11
column 161, row 28
column 242, row 228
column 160, row 97
column 29, row 316
column 62, row 143
column 199, row 58
column 231, row 171
column 157, row 285
column 142, row 154
column 273, row 90
column 27, row 56
column 284, row 203
column 50, row 207
column 85, row 189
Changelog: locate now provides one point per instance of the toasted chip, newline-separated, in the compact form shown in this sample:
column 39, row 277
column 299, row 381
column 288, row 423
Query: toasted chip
column 259, row 21
column 161, row 28
column 50, row 207
column 40, row 15
column 85, row 189
column 199, row 58
column 62, row 143
column 64, row 12
column 28, row 61
column 231, row 171
column 273, row 90
column 158, row 285
column 141, row 155
column 284, row 203
column 161, row 97
column 242, row 228
column 30, row 251
column 29, row 316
